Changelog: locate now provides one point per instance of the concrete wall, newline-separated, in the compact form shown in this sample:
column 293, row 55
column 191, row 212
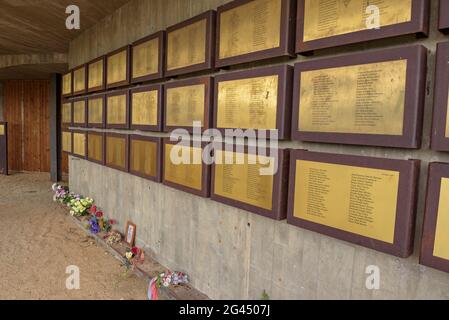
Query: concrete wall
column 230, row 253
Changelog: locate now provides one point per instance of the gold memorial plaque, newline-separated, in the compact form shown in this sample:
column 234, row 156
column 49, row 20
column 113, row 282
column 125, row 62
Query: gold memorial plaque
column 248, row 103
column 67, row 84
column 79, row 112
column 117, row 67
column 116, row 151
column 252, row 27
column 187, row 46
column 441, row 246
column 67, row 141
column 143, row 157
column 79, row 80
column 117, row 110
column 188, row 175
column 358, row 200
column 360, row 99
column 243, row 182
column 79, row 144
column 95, row 110
column 145, row 58
column 66, row 114
column 2, row 129
column 185, row 105
column 95, row 147
column 323, row 19
column 145, row 108
column 96, row 74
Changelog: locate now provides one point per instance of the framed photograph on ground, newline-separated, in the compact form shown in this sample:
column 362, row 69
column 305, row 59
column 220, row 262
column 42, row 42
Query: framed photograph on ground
column 130, row 233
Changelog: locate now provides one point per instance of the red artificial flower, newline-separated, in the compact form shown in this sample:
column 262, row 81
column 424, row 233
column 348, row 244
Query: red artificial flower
column 93, row 209
column 112, row 221
column 135, row 250
column 99, row 214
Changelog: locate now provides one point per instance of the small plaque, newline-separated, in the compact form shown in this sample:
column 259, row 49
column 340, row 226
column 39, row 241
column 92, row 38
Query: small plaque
column 117, row 110
column 146, row 108
column 345, row 99
column 79, row 113
column 67, row 84
column 96, row 70
column 443, row 23
column 252, row 182
column 116, row 149
column 3, row 148
column 79, row 80
column 366, row 201
column 66, row 113
column 95, row 147
column 79, row 144
column 187, row 101
column 96, row 111
column 190, row 45
column 147, row 58
column 184, row 169
column 257, row 99
column 67, row 142
column 145, row 157
column 2, row 130
column 118, row 67
column 327, row 24
column 435, row 238
column 266, row 34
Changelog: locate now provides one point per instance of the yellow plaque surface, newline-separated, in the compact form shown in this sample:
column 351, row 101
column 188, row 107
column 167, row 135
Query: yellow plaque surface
column 66, row 141
column 252, row 27
column 189, row 175
column 327, row 18
column 143, row 157
column 79, row 80
column 66, row 114
column 95, row 147
column 145, row 109
column 96, row 74
column 67, row 84
column 117, row 67
column 185, row 105
column 364, row 99
column 95, row 110
column 79, row 112
column 187, row 46
column 116, row 151
column 146, row 58
column 441, row 247
column 243, row 182
column 358, row 200
column 248, row 103
column 79, row 144
column 2, row 129
column 116, row 109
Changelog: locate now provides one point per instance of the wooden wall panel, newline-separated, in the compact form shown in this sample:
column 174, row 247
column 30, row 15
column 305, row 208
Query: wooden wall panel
column 12, row 113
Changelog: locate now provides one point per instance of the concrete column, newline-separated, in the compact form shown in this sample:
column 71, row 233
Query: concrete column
column 55, row 127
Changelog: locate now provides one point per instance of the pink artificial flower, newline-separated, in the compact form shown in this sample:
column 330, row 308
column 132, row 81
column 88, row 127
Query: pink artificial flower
column 112, row 221
column 93, row 209
column 99, row 214
column 135, row 250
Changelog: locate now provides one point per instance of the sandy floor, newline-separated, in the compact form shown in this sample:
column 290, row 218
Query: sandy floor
column 38, row 241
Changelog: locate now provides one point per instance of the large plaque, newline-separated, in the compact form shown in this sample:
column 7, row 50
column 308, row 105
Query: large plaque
column 188, row 101
column 250, row 30
column 117, row 151
column 3, row 148
column 118, row 68
column 435, row 238
column 183, row 168
column 79, row 112
column 79, row 144
column 67, row 142
column 96, row 74
column 66, row 113
column 117, row 109
column 67, row 87
column 79, row 80
column 190, row 45
column 95, row 147
column 367, row 201
column 147, row 58
column 443, row 23
column 251, row 180
column 145, row 157
column 259, row 99
column 96, row 105
column 146, row 108
column 331, row 23
column 347, row 100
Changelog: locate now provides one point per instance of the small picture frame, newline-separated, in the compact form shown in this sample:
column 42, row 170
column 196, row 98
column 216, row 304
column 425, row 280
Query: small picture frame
column 130, row 233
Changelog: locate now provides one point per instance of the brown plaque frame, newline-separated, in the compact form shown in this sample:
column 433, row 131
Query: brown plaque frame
column 4, row 150
column 285, row 73
column 413, row 105
column 83, row 91
column 71, row 85
column 158, row 75
column 443, row 21
column 66, row 125
column 103, row 86
column 117, row 135
column 128, row 68
column 158, row 142
column 112, row 94
column 84, row 124
column 206, row 171
column 103, row 123
column 102, row 135
column 160, row 96
column 208, row 100
column 437, row 170
column 406, row 203
column 287, row 36
column 208, row 65
column 280, row 188
column 418, row 25
column 73, row 141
